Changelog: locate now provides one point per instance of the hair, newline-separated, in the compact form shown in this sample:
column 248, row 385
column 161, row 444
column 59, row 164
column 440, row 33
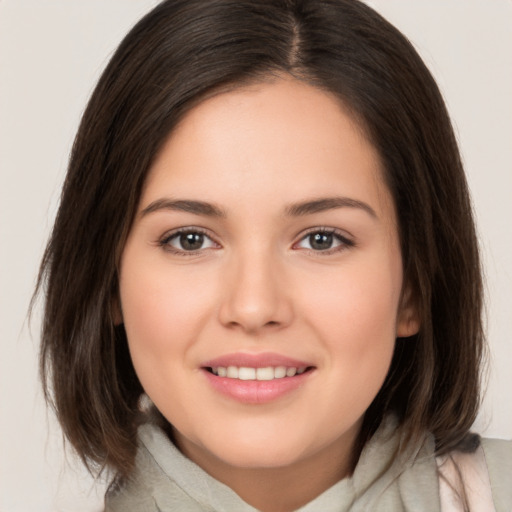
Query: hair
column 176, row 56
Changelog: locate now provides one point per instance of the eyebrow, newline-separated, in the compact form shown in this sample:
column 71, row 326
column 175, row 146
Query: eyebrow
column 327, row 203
column 184, row 205
column 294, row 210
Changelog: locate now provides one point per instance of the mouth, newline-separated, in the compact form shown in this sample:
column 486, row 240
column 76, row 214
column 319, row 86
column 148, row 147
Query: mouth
column 256, row 378
column 266, row 373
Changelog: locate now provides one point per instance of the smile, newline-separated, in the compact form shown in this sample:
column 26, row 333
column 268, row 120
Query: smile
column 257, row 378
column 266, row 373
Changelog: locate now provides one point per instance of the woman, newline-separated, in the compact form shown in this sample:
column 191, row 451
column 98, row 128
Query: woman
column 266, row 230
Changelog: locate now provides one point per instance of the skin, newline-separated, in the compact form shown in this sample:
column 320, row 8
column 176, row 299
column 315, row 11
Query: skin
column 258, row 285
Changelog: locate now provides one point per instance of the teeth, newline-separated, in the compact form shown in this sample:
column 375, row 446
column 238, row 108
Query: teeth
column 279, row 372
column 267, row 373
column 232, row 372
column 246, row 373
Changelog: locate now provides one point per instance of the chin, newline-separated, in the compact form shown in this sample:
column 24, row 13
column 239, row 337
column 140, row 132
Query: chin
column 258, row 457
column 258, row 449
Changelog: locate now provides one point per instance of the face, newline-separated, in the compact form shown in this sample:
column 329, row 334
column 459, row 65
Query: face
column 261, row 281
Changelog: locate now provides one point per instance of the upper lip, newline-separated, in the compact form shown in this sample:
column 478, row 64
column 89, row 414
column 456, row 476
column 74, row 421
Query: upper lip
column 261, row 360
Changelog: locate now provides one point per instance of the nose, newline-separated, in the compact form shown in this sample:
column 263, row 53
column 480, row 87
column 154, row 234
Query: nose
column 255, row 296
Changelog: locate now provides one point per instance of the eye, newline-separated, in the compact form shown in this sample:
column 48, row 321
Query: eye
column 187, row 240
column 324, row 240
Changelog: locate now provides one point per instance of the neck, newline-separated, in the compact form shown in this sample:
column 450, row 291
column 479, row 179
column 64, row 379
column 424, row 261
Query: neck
column 283, row 488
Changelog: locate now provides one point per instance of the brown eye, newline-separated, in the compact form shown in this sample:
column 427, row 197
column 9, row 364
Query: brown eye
column 321, row 241
column 324, row 241
column 187, row 241
column 191, row 241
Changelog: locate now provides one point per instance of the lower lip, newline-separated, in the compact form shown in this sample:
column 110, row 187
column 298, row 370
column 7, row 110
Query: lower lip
column 256, row 391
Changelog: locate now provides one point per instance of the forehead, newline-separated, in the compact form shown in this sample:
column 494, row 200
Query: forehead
column 283, row 135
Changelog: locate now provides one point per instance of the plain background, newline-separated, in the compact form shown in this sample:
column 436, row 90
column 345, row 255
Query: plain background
column 51, row 54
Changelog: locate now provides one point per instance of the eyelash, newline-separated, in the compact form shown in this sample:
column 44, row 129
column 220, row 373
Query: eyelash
column 164, row 242
column 344, row 242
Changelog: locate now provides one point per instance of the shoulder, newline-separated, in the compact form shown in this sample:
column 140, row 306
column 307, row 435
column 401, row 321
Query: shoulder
column 149, row 488
column 477, row 480
column 498, row 458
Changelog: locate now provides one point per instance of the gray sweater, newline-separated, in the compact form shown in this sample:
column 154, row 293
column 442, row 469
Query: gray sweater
column 166, row 481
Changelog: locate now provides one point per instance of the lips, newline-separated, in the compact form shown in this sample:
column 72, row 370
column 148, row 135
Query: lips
column 241, row 359
column 256, row 378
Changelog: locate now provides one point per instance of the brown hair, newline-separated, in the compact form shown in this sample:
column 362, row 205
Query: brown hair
column 183, row 51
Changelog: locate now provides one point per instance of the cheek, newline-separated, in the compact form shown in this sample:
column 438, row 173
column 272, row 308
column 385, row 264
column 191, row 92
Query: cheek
column 356, row 314
column 356, row 326
column 161, row 316
column 160, row 306
column 162, row 312
column 146, row 310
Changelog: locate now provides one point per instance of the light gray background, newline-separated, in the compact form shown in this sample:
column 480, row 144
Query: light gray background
column 51, row 54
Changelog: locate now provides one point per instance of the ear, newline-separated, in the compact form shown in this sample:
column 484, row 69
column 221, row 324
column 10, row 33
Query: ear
column 408, row 318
